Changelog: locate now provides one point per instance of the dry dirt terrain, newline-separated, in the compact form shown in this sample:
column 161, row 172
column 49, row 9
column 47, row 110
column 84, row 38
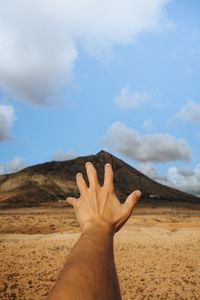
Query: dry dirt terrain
column 157, row 252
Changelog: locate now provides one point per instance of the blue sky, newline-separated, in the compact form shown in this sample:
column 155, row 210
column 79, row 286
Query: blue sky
column 116, row 75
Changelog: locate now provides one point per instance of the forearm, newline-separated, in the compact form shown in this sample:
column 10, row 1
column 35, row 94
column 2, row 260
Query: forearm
column 89, row 272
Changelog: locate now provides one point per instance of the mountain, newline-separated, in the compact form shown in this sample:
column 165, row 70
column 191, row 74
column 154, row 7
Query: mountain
column 53, row 181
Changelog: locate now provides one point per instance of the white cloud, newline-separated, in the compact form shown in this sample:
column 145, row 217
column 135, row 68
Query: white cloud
column 15, row 165
column 185, row 180
column 182, row 179
column 38, row 38
column 7, row 117
column 128, row 99
column 144, row 148
column 147, row 169
column 61, row 155
column 1, row 169
column 190, row 111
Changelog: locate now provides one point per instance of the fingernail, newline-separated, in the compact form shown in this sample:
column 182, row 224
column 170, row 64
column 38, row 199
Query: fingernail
column 78, row 174
column 87, row 163
column 108, row 164
column 138, row 193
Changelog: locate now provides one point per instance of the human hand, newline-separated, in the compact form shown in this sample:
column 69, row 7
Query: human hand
column 98, row 205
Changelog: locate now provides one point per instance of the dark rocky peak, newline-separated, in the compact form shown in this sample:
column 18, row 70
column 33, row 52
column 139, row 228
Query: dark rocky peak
column 55, row 180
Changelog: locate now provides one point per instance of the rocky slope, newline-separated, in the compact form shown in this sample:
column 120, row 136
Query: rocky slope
column 54, row 181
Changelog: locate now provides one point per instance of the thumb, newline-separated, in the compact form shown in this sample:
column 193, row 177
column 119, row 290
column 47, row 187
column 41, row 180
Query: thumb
column 131, row 200
column 71, row 200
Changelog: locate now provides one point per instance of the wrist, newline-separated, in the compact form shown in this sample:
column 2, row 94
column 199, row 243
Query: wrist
column 98, row 227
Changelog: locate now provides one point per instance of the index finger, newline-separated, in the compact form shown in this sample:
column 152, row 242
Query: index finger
column 108, row 177
column 81, row 183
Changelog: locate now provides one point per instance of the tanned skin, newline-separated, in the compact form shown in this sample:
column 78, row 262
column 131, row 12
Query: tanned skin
column 89, row 272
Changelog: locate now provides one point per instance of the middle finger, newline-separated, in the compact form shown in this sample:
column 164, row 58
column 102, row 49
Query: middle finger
column 92, row 175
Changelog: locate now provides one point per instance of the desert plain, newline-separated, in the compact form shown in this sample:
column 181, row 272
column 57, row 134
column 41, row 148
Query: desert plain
column 157, row 252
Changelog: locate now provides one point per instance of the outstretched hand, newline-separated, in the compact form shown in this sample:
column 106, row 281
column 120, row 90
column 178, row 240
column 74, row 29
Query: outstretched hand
column 98, row 205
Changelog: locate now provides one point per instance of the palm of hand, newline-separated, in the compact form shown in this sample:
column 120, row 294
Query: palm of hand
column 99, row 204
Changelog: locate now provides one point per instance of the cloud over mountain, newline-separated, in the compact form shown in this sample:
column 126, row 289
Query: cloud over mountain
column 14, row 165
column 159, row 147
column 183, row 179
column 62, row 155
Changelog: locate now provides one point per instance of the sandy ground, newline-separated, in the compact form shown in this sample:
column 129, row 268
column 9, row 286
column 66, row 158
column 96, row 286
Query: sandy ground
column 157, row 253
